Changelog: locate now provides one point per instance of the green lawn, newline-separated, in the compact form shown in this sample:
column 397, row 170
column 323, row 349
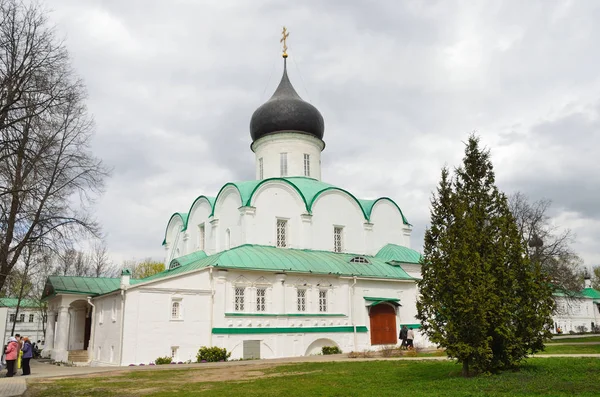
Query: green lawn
column 538, row 377
column 576, row 340
column 572, row 349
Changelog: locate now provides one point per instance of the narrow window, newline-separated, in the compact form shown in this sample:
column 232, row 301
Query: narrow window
column 201, row 236
column 12, row 318
column 31, row 318
column 22, row 318
column 323, row 300
column 175, row 311
column 227, row 239
column 101, row 314
column 174, row 353
column 239, row 299
column 337, row 239
column 261, row 299
column 306, row 164
column 283, row 166
column 113, row 312
column 260, row 168
column 301, row 300
column 112, row 353
column 99, row 353
column 281, row 233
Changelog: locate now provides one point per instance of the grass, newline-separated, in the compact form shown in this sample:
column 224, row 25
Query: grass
column 576, row 340
column 571, row 349
column 537, row 377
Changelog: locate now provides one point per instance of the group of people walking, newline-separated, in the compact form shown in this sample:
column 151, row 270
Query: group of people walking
column 407, row 336
column 18, row 351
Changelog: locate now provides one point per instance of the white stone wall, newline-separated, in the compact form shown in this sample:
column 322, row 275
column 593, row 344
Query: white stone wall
column 106, row 329
column 295, row 145
column 33, row 330
column 149, row 330
column 573, row 312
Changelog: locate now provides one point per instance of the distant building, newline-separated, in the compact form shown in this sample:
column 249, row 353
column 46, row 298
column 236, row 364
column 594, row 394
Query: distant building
column 28, row 322
column 577, row 312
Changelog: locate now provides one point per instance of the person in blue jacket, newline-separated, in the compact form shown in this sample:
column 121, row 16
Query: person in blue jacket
column 27, row 355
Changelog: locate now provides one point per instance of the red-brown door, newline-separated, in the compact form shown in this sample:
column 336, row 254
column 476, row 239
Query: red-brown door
column 383, row 325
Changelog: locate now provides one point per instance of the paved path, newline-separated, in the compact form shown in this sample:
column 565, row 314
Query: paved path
column 16, row 386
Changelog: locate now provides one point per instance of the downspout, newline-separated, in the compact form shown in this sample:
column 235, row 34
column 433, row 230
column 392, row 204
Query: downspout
column 212, row 304
column 352, row 312
column 93, row 330
column 122, row 325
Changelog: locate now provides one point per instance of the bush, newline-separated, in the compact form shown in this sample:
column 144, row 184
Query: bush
column 582, row 329
column 163, row 360
column 212, row 354
column 353, row 354
column 331, row 350
column 388, row 350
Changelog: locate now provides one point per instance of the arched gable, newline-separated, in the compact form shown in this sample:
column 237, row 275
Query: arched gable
column 173, row 220
column 345, row 193
column 369, row 205
column 280, row 183
column 199, row 201
column 226, row 190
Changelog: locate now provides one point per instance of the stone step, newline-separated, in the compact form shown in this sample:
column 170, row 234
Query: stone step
column 78, row 356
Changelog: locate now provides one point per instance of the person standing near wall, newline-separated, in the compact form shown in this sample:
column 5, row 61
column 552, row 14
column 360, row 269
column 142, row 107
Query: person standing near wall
column 27, row 350
column 12, row 352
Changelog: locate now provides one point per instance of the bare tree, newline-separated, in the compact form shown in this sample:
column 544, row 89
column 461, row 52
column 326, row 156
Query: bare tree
column 100, row 262
column 48, row 176
column 546, row 243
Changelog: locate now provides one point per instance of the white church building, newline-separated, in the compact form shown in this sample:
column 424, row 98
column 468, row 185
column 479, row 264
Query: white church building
column 274, row 267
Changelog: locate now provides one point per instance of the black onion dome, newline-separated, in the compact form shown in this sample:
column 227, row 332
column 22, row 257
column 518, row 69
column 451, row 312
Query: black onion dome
column 286, row 111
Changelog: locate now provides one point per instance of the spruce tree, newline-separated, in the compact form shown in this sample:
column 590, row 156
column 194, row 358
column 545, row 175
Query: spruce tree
column 480, row 297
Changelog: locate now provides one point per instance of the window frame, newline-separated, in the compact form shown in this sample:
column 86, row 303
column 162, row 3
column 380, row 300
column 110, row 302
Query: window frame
column 179, row 313
column 283, row 164
column 301, row 305
column 307, row 165
column 201, row 236
column 281, row 225
column 22, row 317
column 338, row 239
column 239, row 298
column 261, row 299
column 323, row 301
column 31, row 317
column 12, row 317
column 113, row 311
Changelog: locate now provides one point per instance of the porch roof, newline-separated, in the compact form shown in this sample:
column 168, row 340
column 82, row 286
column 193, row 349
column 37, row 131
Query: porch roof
column 90, row 286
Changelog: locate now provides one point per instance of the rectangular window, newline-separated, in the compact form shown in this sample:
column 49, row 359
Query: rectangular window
column 239, row 299
column 306, row 164
column 174, row 350
column 260, row 168
column 337, row 239
column 12, row 318
column 176, row 310
column 281, row 233
column 261, row 299
column 31, row 316
column 283, row 168
column 21, row 318
column 301, row 300
column 201, row 236
column 323, row 301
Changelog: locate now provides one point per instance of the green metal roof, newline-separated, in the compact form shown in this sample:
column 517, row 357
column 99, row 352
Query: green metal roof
column 90, row 286
column 591, row 293
column 12, row 302
column 267, row 258
column 309, row 190
column 375, row 301
column 187, row 259
column 399, row 254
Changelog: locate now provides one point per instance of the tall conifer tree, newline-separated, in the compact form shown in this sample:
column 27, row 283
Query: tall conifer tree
column 480, row 297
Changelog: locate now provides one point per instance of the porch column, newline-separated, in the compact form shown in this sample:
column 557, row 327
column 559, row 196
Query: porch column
column 60, row 352
column 49, row 337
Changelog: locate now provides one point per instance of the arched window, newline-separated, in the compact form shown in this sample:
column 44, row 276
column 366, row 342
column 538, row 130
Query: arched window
column 175, row 310
column 227, row 239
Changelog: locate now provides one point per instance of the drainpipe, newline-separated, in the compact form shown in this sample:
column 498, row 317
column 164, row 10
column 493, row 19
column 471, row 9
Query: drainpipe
column 352, row 311
column 212, row 304
column 122, row 324
column 93, row 330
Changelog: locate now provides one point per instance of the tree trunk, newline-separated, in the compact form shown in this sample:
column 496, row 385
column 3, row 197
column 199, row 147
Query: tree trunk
column 465, row 368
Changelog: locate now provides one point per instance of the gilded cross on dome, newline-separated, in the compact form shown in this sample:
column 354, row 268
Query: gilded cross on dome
column 284, row 36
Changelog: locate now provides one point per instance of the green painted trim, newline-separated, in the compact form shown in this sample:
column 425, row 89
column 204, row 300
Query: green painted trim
column 370, row 211
column 411, row 326
column 296, row 188
column 287, row 330
column 220, row 191
column 283, row 315
column 370, row 298
column 318, row 194
column 184, row 221
column 210, row 203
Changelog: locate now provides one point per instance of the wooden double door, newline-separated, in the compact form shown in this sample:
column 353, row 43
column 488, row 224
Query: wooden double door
column 383, row 324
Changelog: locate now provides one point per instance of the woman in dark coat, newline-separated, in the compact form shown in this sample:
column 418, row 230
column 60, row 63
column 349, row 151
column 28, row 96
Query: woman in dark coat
column 27, row 355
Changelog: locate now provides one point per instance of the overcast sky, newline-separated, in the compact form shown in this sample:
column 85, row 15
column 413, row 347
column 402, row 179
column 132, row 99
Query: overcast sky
column 172, row 85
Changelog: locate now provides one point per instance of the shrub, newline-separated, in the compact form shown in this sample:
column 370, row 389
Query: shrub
column 212, row 354
column 163, row 360
column 388, row 350
column 366, row 353
column 582, row 329
column 353, row 354
column 331, row 350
